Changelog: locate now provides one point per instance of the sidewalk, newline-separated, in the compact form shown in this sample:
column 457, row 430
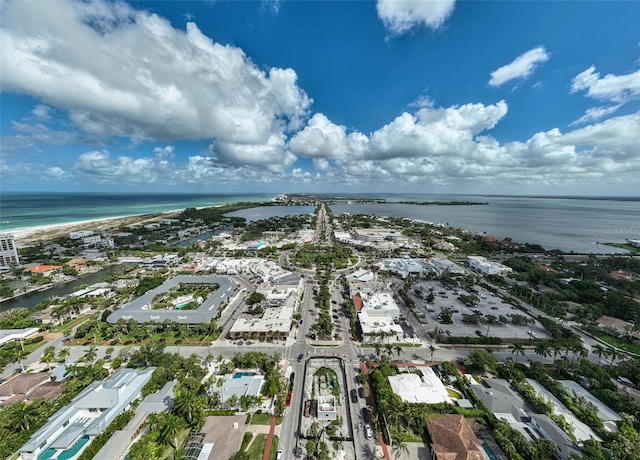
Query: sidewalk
column 267, row 449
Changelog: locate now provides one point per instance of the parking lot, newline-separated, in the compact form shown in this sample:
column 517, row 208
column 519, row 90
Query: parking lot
column 496, row 317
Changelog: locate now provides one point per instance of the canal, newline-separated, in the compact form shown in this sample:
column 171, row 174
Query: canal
column 58, row 290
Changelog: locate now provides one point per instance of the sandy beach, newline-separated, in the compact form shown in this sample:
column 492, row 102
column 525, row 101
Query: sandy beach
column 29, row 235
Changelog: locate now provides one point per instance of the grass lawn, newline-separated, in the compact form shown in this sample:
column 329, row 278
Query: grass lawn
column 631, row 348
column 262, row 419
column 256, row 448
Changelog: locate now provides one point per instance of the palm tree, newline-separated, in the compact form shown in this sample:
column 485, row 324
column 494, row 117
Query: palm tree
column 389, row 349
column 518, row 349
column 63, row 354
column 398, row 350
column 615, row 354
column 23, row 414
column 378, row 347
column 170, row 430
column 432, row 350
column 21, row 356
column 599, row 350
column 542, row 349
column 90, row 354
column 48, row 356
column 399, row 447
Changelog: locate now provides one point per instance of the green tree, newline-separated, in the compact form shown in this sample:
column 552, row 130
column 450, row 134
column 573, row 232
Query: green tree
column 518, row 349
column 481, row 361
column 432, row 350
column 400, row 448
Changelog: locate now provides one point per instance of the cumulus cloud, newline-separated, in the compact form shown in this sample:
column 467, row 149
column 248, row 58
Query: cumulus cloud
column 430, row 131
column 521, row 67
column 614, row 88
column 400, row 16
column 55, row 172
column 118, row 71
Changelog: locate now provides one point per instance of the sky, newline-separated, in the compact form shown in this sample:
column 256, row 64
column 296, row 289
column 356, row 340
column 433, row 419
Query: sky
column 445, row 96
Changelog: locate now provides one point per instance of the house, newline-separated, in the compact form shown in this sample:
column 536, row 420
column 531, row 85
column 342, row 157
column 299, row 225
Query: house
column 413, row 388
column 89, row 414
column 549, row 430
column 44, row 269
column 77, row 264
column 453, row 439
column 241, row 384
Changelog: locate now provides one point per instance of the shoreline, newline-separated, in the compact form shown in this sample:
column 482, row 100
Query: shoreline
column 26, row 235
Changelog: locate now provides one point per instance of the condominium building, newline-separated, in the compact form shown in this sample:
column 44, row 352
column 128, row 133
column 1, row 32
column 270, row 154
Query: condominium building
column 8, row 252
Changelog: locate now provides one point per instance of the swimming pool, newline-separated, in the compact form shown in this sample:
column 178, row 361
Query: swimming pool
column 73, row 451
column 490, row 453
column 239, row 375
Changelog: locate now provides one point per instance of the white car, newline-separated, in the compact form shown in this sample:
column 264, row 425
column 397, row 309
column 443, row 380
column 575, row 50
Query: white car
column 279, row 455
column 368, row 433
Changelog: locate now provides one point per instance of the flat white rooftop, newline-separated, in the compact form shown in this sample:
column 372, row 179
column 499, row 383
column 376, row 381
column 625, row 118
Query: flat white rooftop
column 413, row 388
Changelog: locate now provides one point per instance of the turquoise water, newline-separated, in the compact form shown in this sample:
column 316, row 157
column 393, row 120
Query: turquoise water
column 490, row 453
column 23, row 210
column 73, row 451
column 47, row 454
column 238, row 375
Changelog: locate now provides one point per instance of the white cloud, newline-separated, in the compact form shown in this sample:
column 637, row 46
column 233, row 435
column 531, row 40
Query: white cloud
column 41, row 112
column 169, row 84
column 520, row 67
column 164, row 153
column 596, row 113
column 400, row 16
column 429, row 132
column 55, row 172
column 615, row 88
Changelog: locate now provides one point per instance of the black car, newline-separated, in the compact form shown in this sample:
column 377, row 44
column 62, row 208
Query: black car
column 300, row 357
column 354, row 396
column 366, row 417
column 361, row 392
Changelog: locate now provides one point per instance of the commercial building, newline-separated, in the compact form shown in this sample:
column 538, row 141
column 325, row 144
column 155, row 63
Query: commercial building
column 141, row 309
column 379, row 329
column 327, row 408
column 380, row 304
column 482, row 265
column 274, row 324
column 8, row 252
column 376, row 235
column 70, row 429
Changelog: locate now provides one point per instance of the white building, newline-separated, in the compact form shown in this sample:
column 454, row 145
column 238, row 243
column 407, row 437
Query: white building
column 374, row 327
column 72, row 428
column 404, row 266
column 8, row 252
column 482, row 265
column 80, row 234
column 413, row 388
column 376, row 235
column 380, row 304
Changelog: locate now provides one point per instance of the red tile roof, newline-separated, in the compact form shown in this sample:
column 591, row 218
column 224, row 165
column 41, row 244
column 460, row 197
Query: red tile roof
column 42, row 268
column 453, row 439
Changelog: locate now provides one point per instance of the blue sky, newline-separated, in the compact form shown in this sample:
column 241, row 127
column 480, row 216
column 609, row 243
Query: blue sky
column 303, row 96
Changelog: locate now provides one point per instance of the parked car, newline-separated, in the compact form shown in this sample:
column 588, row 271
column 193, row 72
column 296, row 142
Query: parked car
column 354, row 396
column 366, row 416
column 279, row 455
column 368, row 432
column 361, row 392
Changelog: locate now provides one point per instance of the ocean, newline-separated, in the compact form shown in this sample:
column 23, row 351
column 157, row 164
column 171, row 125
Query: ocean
column 24, row 210
column 567, row 223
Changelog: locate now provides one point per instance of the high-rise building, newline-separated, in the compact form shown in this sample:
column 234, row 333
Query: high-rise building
column 8, row 252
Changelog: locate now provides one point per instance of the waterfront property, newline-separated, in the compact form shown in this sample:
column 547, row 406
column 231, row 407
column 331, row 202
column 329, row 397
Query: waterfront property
column 141, row 309
column 71, row 428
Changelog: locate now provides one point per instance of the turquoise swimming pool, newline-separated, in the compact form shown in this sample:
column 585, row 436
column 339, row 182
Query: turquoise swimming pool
column 73, row 451
column 490, row 453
